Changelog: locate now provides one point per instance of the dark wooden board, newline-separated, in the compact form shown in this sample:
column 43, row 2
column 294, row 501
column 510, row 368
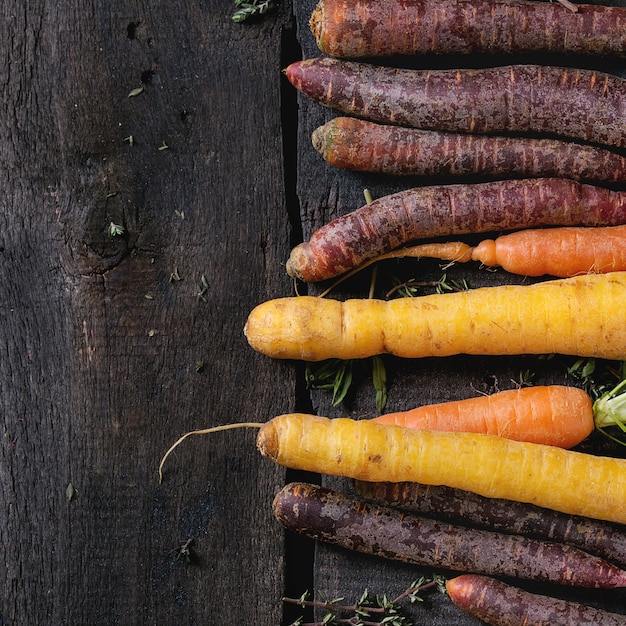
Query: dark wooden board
column 325, row 192
column 107, row 358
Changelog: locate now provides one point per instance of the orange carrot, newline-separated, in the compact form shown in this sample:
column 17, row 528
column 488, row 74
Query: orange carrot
column 363, row 146
column 557, row 251
column 561, row 252
column 368, row 28
column 553, row 415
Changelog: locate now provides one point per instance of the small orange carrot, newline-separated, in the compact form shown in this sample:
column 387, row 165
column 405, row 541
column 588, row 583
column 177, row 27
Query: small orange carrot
column 554, row 415
column 561, row 252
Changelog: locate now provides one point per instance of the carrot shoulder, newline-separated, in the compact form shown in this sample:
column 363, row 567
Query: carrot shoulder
column 360, row 145
column 580, row 104
column 369, row 28
column 579, row 316
column 553, row 415
column 440, row 210
column 495, row 467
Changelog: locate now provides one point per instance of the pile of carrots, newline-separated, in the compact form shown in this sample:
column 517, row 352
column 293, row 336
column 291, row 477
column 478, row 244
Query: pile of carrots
column 550, row 138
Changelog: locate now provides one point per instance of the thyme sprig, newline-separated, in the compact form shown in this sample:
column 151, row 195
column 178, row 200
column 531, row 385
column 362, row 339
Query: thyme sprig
column 368, row 610
column 245, row 9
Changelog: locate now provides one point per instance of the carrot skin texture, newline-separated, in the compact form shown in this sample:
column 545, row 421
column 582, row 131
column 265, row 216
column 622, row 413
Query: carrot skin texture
column 554, row 415
column 359, row 145
column 578, row 316
column 499, row 604
column 346, row 521
column 581, row 104
column 593, row 536
column 557, row 252
column 459, row 209
column 369, row 28
column 563, row 480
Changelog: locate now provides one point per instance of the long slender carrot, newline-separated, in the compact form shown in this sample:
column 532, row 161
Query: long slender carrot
column 369, row 28
column 594, row 536
column 349, row 522
column 553, row 415
column 580, row 316
column 561, row 252
column 441, row 210
column 360, row 145
column 499, row 604
column 581, row 104
column 495, row 467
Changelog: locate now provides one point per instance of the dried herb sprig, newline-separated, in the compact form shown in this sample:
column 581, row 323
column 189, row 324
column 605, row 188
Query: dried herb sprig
column 245, row 9
column 368, row 610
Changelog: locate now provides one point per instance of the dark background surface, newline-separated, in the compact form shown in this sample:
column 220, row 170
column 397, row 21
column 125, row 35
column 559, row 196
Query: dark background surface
column 113, row 347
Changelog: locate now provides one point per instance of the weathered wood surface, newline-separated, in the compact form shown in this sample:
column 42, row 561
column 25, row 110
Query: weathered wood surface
column 101, row 343
column 114, row 346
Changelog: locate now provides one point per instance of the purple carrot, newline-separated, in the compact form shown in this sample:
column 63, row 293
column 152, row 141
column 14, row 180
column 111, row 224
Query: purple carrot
column 586, row 105
column 386, row 532
column 499, row 604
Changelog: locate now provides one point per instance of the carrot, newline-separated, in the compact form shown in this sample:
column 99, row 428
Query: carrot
column 581, row 104
column 597, row 537
column 554, row 415
column 580, row 316
column 370, row 28
column 561, row 252
column 441, row 210
column 499, row 604
column 563, row 480
column 346, row 521
column 360, row 145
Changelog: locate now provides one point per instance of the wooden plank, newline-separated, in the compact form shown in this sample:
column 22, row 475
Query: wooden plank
column 107, row 357
column 325, row 193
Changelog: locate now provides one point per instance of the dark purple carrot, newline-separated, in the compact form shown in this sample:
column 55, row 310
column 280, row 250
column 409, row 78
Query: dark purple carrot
column 360, row 145
column 585, row 105
column 499, row 604
column 370, row 28
column 441, row 210
column 594, row 536
column 386, row 532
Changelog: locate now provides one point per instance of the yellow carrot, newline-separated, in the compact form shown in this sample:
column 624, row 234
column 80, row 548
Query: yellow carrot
column 582, row 316
column 492, row 466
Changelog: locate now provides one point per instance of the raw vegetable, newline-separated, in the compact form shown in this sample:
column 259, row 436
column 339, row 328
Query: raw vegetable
column 562, row 251
column 495, row 467
column 369, row 28
column 346, row 521
column 580, row 316
column 441, row 210
column 360, row 145
column 581, row 104
column 499, row 604
column 553, row 415
column 594, row 536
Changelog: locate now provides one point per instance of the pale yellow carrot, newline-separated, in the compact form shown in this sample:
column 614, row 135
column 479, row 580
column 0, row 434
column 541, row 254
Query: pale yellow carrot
column 582, row 316
column 492, row 466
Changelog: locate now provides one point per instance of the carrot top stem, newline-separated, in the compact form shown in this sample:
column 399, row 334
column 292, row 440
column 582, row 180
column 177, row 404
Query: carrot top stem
column 610, row 408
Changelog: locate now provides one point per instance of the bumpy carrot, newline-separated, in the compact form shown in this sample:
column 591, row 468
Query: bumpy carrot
column 343, row 520
column 581, row 104
column 580, row 316
column 440, row 210
column 553, row 415
column 495, row 467
column 360, row 145
column 498, row 604
column 594, row 536
column 369, row 28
